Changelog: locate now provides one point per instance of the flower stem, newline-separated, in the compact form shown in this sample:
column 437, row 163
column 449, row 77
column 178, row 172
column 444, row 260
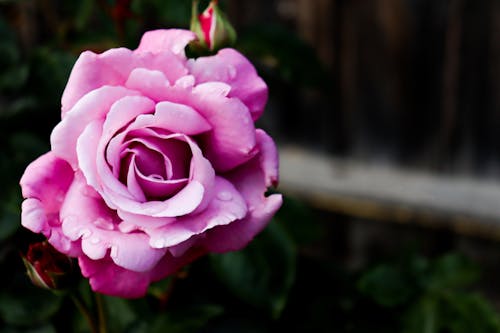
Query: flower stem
column 85, row 312
column 101, row 315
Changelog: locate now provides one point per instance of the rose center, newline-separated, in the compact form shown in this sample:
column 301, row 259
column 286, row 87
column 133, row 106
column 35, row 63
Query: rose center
column 155, row 168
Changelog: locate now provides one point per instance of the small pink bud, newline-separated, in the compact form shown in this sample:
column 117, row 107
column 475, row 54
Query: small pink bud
column 207, row 23
column 46, row 267
column 212, row 29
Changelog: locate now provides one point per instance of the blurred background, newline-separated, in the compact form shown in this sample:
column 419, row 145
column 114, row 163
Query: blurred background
column 386, row 113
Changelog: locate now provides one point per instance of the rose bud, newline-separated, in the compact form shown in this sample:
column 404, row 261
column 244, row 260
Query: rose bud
column 46, row 267
column 212, row 29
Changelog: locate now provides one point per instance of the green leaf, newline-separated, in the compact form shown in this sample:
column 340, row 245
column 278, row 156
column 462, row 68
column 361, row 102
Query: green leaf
column 422, row 317
column 386, row 285
column 469, row 312
column 119, row 314
column 262, row 273
column 452, row 271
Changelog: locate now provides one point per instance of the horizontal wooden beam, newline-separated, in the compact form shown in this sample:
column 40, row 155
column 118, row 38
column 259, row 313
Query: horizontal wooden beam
column 466, row 205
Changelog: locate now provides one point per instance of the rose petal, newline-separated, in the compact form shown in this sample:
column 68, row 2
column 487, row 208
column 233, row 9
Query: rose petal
column 34, row 217
column 47, row 179
column 155, row 188
column 93, row 106
column 90, row 220
column 195, row 195
column 227, row 206
column 171, row 40
column 180, row 118
column 108, row 278
column 149, row 82
column 237, row 235
column 44, row 185
column 133, row 184
column 268, row 157
column 113, row 67
column 123, row 111
column 231, row 67
column 92, row 71
column 251, row 180
column 232, row 139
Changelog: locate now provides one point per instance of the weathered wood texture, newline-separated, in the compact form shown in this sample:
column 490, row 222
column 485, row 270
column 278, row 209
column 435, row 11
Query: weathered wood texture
column 466, row 205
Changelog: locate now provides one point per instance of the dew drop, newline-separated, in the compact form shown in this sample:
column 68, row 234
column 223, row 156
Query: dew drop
column 103, row 223
column 231, row 72
column 224, row 196
column 95, row 240
column 177, row 48
column 158, row 243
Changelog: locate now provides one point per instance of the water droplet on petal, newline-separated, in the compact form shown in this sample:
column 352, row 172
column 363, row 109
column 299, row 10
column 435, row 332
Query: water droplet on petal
column 177, row 48
column 95, row 240
column 231, row 72
column 224, row 196
column 158, row 243
column 103, row 223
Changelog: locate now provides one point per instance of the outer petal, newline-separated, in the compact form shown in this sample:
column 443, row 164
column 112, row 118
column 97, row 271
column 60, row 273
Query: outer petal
column 171, row 40
column 88, row 218
column 107, row 278
column 232, row 140
column 44, row 185
column 233, row 68
column 47, row 179
column 92, row 71
column 251, row 180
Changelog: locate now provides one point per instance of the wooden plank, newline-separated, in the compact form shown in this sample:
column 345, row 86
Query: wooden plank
column 466, row 205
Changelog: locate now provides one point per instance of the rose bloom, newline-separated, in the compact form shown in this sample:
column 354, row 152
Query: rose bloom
column 156, row 161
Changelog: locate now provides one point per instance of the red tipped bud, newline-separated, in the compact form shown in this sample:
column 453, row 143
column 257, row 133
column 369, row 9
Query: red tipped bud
column 48, row 268
column 212, row 29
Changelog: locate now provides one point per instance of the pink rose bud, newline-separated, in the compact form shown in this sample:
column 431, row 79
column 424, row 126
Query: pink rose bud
column 212, row 28
column 46, row 267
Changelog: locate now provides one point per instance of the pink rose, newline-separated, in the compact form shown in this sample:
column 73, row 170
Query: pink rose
column 156, row 161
